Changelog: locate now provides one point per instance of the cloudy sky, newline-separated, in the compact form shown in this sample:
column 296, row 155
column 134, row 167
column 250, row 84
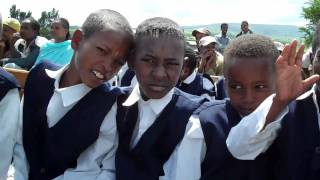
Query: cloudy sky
column 185, row 12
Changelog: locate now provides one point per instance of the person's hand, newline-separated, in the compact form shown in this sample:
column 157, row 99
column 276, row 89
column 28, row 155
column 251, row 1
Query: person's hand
column 288, row 71
column 208, row 60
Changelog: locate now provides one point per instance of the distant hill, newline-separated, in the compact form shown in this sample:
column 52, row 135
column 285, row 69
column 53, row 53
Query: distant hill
column 282, row 33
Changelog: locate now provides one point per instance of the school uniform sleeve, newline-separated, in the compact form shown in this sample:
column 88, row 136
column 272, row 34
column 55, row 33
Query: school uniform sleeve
column 97, row 161
column 248, row 139
column 9, row 113
column 20, row 163
column 208, row 86
column 185, row 161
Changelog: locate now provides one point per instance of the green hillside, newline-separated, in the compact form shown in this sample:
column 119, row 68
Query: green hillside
column 282, row 33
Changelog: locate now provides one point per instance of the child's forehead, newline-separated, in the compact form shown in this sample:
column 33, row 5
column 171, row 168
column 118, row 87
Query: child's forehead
column 156, row 42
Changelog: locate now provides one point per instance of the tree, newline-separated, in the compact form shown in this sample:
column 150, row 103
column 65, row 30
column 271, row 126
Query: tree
column 45, row 21
column 312, row 14
column 18, row 14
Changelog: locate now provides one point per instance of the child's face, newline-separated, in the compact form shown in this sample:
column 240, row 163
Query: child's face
column 98, row 58
column 157, row 64
column 249, row 82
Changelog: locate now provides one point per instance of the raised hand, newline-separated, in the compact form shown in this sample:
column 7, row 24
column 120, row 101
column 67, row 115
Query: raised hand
column 288, row 69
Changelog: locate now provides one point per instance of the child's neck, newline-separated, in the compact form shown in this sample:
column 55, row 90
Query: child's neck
column 70, row 77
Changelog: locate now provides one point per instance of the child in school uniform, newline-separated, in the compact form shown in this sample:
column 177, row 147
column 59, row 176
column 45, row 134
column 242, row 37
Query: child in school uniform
column 296, row 140
column 192, row 82
column 250, row 72
column 68, row 112
column 156, row 134
column 10, row 150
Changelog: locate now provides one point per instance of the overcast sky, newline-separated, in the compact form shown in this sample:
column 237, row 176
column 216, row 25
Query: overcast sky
column 185, row 12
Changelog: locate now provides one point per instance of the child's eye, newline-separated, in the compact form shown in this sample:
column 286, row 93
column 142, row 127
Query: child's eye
column 235, row 87
column 173, row 64
column 148, row 60
column 101, row 50
column 259, row 86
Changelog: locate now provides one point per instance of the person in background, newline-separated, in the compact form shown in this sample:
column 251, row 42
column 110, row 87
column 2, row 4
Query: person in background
column 27, row 48
column 10, row 27
column 200, row 33
column 58, row 50
column 244, row 29
column 211, row 62
column 190, row 80
column 222, row 38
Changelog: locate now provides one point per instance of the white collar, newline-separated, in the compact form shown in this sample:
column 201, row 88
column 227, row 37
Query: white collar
column 190, row 78
column 71, row 94
column 157, row 105
column 308, row 93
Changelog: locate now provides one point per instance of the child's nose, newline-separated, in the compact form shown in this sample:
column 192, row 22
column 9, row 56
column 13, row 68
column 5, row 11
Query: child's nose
column 248, row 97
column 159, row 73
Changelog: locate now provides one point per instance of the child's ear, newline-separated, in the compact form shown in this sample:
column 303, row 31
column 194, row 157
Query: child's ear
column 76, row 39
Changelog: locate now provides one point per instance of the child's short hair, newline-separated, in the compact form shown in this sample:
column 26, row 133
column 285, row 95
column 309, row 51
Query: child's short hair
column 159, row 26
column 250, row 46
column 105, row 19
column 190, row 58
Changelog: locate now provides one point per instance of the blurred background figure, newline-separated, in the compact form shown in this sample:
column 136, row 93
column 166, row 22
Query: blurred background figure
column 222, row 39
column 58, row 50
column 10, row 27
column 244, row 29
column 211, row 60
column 200, row 33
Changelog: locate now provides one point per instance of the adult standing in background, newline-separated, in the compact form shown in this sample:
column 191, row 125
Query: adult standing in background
column 222, row 39
column 244, row 29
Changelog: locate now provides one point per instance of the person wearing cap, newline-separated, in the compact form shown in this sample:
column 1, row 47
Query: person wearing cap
column 27, row 48
column 10, row 26
column 222, row 38
column 244, row 29
column 200, row 33
column 211, row 60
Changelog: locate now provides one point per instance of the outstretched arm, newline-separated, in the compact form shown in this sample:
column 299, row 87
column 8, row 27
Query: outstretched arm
column 289, row 83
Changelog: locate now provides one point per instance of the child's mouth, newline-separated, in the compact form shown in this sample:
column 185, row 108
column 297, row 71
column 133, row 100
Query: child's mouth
column 98, row 75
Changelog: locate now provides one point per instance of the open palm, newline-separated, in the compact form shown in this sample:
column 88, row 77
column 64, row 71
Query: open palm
column 288, row 68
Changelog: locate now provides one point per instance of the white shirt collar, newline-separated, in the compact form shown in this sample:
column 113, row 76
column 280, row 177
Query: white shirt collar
column 190, row 78
column 71, row 94
column 308, row 93
column 157, row 105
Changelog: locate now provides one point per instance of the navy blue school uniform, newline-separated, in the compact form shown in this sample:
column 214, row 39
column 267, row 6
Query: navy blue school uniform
column 127, row 78
column 9, row 120
column 297, row 148
column 217, row 118
column 220, row 89
column 7, row 82
column 51, row 151
column 146, row 160
column 196, row 86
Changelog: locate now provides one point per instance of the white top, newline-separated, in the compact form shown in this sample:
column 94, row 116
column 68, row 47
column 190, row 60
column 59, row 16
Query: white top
column 185, row 161
column 248, row 139
column 89, row 161
column 306, row 61
column 9, row 120
column 206, row 84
